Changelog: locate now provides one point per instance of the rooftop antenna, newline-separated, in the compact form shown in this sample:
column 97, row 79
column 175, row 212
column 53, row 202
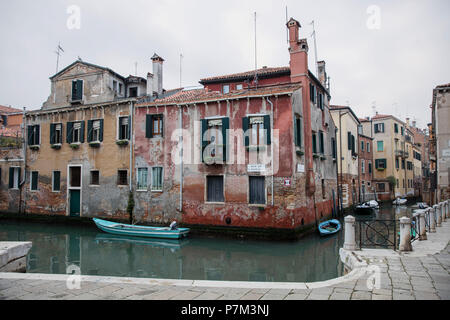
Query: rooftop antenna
column 256, row 59
column 181, row 60
column 58, row 52
column 374, row 107
column 315, row 48
column 287, row 29
column 135, row 68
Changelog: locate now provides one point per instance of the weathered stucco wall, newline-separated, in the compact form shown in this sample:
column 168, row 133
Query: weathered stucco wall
column 9, row 198
column 105, row 200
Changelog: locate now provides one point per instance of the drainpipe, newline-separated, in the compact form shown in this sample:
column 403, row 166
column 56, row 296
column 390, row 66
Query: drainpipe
column 271, row 139
column 25, row 146
column 131, row 143
column 181, row 159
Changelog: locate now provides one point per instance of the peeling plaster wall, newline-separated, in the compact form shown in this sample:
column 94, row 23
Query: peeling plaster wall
column 292, row 208
column 9, row 198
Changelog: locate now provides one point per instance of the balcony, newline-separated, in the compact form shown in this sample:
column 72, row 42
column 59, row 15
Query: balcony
column 401, row 154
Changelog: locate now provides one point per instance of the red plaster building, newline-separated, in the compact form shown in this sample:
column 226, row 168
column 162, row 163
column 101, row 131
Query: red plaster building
column 245, row 152
column 365, row 155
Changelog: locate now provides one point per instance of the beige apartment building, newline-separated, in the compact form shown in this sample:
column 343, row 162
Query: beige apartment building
column 347, row 153
column 392, row 156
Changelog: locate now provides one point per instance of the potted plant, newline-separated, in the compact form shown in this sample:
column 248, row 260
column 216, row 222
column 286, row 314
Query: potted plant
column 122, row 142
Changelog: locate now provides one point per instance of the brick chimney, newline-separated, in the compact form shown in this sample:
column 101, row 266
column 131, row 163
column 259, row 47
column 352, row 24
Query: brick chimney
column 322, row 73
column 157, row 74
column 298, row 50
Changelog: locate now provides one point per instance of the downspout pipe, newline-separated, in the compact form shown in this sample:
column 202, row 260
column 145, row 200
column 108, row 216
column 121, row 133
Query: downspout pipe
column 272, row 141
column 181, row 158
column 131, row 143
column 25, row 146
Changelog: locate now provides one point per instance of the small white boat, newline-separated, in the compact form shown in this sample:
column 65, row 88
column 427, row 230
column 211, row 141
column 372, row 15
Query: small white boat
column 400, row 201
column 420, row 205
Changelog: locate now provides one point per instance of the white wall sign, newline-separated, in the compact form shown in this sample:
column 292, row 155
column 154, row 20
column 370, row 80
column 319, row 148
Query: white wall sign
column 256, row 167
column 446, row 153
column 300, row 167
column 287, row 182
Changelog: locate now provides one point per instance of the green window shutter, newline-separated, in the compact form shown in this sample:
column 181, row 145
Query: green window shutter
column 89, row 132
column 79, row 90
column 204, row 141
column 377, row 163
column 129, row 128
column 30, row 135
column 349, row 140
column 101, row 131
column 69, row 136
column 52, row 133
column 225, row 127
column 314, row 143
column 267, row 128
column 56, row 180
column 162, row 125
column 296, row 137
column 74, row 90
column 322, row 147
column 353, row 144
column 11, row 178
column 149, row 126
column 82, row 132
column 245, row 125
column 34, row 180
column 37, row 138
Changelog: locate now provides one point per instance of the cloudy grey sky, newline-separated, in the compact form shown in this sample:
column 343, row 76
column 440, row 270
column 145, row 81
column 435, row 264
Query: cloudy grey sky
column 395, row 66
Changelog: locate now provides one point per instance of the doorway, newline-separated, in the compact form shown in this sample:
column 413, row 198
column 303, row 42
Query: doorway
column 74, row 184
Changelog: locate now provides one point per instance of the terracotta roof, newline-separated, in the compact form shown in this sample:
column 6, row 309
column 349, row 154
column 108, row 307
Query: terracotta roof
column 443, row 85
column 244, row 75
column 5, row 110
column 381, row 116
column 203, row 95
column 10, row 132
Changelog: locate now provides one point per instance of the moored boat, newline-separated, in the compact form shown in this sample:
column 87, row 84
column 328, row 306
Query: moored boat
column 367, row 207
column 420, row 205
column 400, row 201
column 329, row 227
column 141, row 231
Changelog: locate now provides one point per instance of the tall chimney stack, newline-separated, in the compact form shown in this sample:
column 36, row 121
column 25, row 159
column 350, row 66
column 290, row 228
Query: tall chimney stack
column 157, row 74
column 149, row 84
column 322, row 73
column 298, row 50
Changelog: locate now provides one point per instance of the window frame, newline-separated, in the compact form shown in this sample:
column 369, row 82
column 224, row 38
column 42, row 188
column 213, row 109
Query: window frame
column 91, row 184
column 53, row 181
column 119, row 128
column 382, row 146
column 152, row 188
column 264, row 191
column 119, row 184
column 207, row 178
column 226, row 86
column 138, row 185
column 31, row 181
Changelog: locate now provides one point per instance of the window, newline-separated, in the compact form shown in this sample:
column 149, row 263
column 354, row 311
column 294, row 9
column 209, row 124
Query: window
column 34, row 181
column 239, row 87
column 379, row 127
column 363, row 169
column 397, row 164
column 312, row 92
column 124, row 128
column 257, row 191
column 56, row 181
column 256, row 130
column 75, row 132
column 122, row 177
column 403, row 164
column 370, row 167
column 380, row 146
column 133, row 92
column 214, row 189
column 95, row 178
column 95, row 130
column 55, row 133
column 157, row 179
column 115, row 85
column 75, row 177
column 380, row 164
column 333, row 146
column 403, row 131
column 320, row 102
column 321, row 143
column 34, row 135
column 14, row 177
column 154, row 126
column 142, row 179
column 362, row 145
column 298, row 131
column 368, row 147
column 395, row 128
column 226, row 88
column 381, row 187
column 120, row 88
column 77, row 90
column 314, row 142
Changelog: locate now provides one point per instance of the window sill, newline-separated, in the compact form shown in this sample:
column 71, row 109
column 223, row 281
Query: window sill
column 299, row 151
column 34, row 147
column 316, row 155
column 122, row 185
column 94, row 185
column 95, row 144
column 75, row 145
column 56, row 146
column 260, row 206
column 215, row 203
column 122, row 142
column 157, row 191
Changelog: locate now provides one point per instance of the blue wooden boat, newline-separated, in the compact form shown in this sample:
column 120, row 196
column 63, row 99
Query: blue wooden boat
column 140, row 231
column 329, row 227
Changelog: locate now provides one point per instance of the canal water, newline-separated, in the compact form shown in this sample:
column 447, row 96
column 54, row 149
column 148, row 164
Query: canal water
column 57, row 248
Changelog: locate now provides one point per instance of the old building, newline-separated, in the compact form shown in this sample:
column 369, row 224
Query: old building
column 367, row 190
column 244, row 152
column 441, row 139
column 79, row 145
column 347, row 154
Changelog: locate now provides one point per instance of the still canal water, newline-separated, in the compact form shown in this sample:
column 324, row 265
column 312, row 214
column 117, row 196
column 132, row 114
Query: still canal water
column 56, row 247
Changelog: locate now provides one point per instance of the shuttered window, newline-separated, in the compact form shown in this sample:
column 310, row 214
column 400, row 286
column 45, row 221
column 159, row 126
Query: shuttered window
column 56, row 133
column 77, row 90
column 142, row 179
column 14, row 177
column 56, row 181
column 154, row 125
column 124, row 128
column 333, row 146
column 257, row 190
column 75, row 132
column 215, row 140
column 298, row 131
column 380, row 164
column 215, row 189
column 34, row 135
column 314, row 142
column 34, row 180
column 321, row 143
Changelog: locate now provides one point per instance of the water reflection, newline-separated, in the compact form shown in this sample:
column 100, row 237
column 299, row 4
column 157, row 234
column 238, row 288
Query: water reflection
column 57, row 247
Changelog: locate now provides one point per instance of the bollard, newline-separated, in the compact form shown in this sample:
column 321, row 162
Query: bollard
column 350, row 240
column 447, row 208
column 443, row 209
column 422, row 227
column 438, row 215
column 433, row 219
column 405, row 234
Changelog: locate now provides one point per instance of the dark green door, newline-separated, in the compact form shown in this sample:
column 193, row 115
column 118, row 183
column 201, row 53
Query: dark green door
column 74, row 203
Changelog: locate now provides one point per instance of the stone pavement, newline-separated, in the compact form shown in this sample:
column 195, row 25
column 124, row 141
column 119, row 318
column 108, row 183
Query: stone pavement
column 420, row 275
